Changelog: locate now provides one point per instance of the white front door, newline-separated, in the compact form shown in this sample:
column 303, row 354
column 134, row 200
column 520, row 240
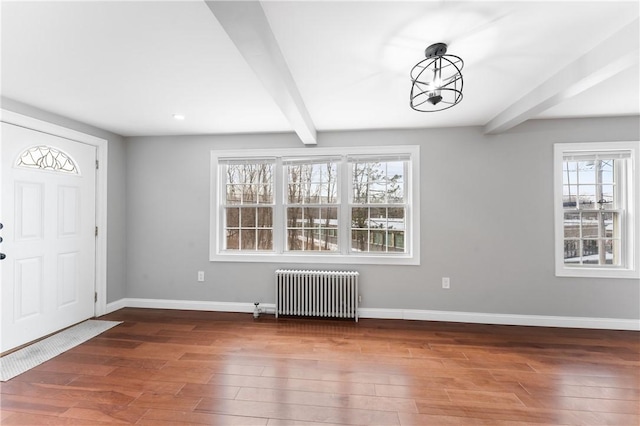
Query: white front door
column 48, row 212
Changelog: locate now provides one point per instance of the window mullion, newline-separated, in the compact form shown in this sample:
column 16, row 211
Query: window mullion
column 620, row 183
column 279, row 219
column 222, row 208
column 344, row 201
column 408, row 201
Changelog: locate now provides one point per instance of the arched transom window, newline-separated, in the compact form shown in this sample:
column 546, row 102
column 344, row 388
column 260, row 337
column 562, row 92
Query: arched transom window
column 47, row 158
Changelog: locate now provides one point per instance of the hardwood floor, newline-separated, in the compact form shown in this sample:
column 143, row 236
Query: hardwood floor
column 164, row 367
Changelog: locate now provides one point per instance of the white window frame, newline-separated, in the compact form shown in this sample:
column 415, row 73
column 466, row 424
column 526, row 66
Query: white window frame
column 630, row 237
column 345, row 256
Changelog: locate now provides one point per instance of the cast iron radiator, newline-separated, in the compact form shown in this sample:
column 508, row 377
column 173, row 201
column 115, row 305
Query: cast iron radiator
column 331, row 294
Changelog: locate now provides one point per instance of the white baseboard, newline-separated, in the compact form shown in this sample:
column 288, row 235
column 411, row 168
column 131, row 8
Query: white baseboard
column 114, row 306
column 189, row 305
column 502, row 319
column 404, row 314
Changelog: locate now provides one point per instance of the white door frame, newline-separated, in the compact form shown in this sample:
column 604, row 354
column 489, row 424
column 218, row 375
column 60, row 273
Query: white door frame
column 101, row 145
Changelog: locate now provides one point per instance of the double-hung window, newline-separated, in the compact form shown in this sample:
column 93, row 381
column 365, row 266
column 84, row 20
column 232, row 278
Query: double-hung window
column 596, row 204
column 332, row 205
column 311, row 204
column 378, row 204
column 247, row 205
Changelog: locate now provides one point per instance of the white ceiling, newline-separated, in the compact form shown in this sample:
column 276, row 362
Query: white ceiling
column 127, row 66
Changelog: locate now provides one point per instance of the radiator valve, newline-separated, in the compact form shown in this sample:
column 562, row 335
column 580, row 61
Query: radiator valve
column 256, row 310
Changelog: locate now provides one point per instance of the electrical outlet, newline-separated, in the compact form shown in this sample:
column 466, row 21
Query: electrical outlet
column 359, row 299
column 201, row 276
column 446, row 282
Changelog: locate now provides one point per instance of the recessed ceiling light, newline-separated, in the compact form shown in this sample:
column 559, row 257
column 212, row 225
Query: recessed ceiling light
column 178, row 116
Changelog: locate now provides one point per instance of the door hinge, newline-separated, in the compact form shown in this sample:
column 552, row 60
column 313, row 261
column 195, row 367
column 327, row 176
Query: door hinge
column 95, row 297
column 97, row 164
column 96, row 231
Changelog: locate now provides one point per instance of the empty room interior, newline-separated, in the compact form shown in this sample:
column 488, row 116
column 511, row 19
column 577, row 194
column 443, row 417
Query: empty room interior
column 320, row 212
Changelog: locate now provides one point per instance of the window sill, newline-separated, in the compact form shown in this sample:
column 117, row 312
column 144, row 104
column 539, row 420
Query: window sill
column 326, row 259
column 596, row 272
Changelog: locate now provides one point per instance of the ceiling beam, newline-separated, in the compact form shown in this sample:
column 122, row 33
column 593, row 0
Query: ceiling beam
column 604, row 61
column 246, row 24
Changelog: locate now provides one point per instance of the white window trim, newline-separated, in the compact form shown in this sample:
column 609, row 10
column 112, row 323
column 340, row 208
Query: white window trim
column 412, row 237
column 631, row 237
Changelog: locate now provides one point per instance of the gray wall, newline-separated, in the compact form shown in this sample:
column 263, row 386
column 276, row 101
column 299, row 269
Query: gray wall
column 116, row 249
column 487, row 222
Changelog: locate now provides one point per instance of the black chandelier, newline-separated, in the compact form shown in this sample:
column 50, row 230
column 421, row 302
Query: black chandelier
column 436, row 82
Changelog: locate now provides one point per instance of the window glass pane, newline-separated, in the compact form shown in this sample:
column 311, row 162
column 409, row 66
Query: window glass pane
column 232, row 239
column 587, row 196
column 248, row 217
column 295, row 239
column 313, row 183
column 377, row 193
column 265, row 196
column 265, row 239
column 378, row 218
column 234, row 174
column 330, row 217
column 378, row 182
column 294, row 217
column 572, row 251
column 234, row 194
column 612, row 252
column 359, row 217
column 265, row 217
column 396, row 194
column 294, row 193
column 45, row 157
column 378, row 241
column 606, row 171
column 313, row 194
column 396, row 241
column 396, row 218
column 233, row 217
column 250, row 194
column 360, row 240
column 249, row 183
column 569, row 196
column 606, row 200
column 371, row 228
column 311, row 217
column 586, row 172
column 572, row 225
column 610, row 223
column 570, row 173
column 590, row 224
column 248, row 239
column 590, row 255
column 309, row 240
column 319, row 239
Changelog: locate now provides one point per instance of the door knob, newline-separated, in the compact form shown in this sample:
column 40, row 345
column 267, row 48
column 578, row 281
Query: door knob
column 2, row 256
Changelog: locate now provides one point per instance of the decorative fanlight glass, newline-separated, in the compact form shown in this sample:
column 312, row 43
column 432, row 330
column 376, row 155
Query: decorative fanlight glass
column 436, row 82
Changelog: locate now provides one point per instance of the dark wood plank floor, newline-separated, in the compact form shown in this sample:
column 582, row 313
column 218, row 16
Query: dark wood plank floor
column 165, row 367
